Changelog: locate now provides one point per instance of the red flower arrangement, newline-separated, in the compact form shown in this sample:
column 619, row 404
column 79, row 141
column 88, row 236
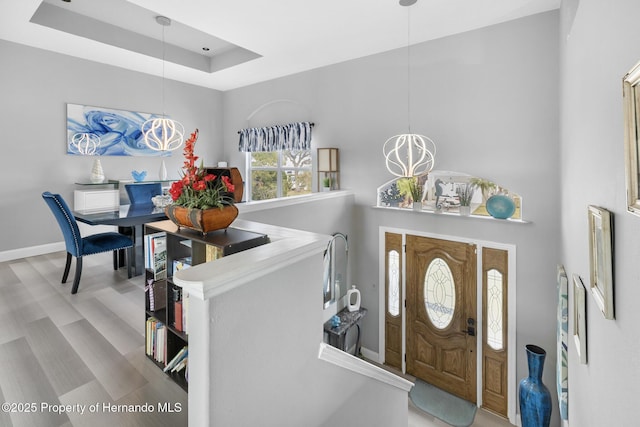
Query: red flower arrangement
column 198, row 189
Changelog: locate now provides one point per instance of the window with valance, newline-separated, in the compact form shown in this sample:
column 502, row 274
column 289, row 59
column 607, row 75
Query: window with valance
column 278, row 160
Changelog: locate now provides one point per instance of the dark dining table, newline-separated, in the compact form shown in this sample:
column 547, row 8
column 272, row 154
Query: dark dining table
column 129, row 219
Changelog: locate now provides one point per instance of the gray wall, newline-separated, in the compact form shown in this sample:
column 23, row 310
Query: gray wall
column 489, row 99
column 599, row 44
column 36, row 86
column 265, row 369
column 323, row 216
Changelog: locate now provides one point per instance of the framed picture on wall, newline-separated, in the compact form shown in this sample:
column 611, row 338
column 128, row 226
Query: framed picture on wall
column 601, row 259
column 579, row 319
column 562, row 362
column 113, row 132
column 631, row 107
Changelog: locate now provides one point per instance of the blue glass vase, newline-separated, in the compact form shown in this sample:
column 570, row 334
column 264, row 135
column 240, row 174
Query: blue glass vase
column 535, row 399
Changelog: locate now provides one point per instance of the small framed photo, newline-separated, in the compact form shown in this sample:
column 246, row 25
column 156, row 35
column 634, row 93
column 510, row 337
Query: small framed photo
column 579, row 319
column 631, row 108
column 601, row 259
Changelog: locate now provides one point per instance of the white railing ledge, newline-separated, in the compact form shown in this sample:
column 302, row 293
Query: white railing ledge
column 246, row 207
column 287, row 246
column 347, row 361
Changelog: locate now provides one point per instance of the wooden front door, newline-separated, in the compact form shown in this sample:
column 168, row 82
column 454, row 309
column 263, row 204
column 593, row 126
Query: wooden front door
column 441, row 314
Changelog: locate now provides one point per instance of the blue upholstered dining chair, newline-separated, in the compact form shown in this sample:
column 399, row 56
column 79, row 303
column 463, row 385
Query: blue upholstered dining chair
column 142, row 193
column 139, row 196
column 78, row 246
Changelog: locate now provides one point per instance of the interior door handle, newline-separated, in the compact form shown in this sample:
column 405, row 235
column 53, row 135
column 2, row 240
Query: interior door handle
column 471, row 329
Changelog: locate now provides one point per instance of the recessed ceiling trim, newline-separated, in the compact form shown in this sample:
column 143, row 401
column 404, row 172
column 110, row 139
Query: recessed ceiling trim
column 65, row 20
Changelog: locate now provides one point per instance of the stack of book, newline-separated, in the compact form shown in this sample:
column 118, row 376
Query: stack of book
column 155, row 258
column 179, row 361
column 155, row 345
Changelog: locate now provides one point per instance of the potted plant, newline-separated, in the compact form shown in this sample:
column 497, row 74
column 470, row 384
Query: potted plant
column 485, row 186
column 326, row 183
column 411, row 189
column 201, row 201
column 465, row 194
column 391, row 195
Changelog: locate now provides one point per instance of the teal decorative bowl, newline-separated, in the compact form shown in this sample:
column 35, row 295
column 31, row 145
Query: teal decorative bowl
column 500, row 206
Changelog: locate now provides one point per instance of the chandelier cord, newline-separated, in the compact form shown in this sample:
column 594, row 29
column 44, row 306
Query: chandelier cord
column 409, row 69
column 163, row 61
column 162, row 134
column 409, row 155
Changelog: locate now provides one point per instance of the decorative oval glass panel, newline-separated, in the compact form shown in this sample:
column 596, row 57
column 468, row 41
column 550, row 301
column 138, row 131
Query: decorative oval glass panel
column 393, row 262
column 439, row 293
column 494, row 309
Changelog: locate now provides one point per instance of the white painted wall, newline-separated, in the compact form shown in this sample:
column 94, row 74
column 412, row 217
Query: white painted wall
column 35, row 86
column 599, row 44
column 265, row 369
column 489, row 99
column 256, row 355
column 325, row 216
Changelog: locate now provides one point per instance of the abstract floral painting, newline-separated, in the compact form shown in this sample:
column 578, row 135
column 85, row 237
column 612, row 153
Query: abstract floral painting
column 118, row 131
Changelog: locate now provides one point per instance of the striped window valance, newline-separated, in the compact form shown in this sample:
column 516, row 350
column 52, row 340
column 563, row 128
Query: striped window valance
column 294, row 136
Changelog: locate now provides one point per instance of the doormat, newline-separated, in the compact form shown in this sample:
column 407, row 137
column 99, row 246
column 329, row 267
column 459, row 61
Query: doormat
column 442, row 405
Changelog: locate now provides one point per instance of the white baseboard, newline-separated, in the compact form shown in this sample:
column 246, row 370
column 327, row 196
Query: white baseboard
column 369, row 354
column 31, row 251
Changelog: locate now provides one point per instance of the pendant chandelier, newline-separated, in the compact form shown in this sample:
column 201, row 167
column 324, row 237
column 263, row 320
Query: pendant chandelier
column 409, row 154
column 163, row 134
column 86, row 143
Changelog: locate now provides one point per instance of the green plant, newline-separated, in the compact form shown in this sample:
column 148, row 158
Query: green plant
column 465, row 194
column 484, row 185
column 409, row 187
column 326, row 182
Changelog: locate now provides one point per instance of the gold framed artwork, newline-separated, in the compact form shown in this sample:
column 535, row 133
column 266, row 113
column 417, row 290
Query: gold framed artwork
column 579, row 319
column 601, row 259
column 631, row 107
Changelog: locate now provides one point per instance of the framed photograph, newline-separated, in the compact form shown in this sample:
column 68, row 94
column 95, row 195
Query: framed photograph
column 441, row 191
column 562, row 362
column 631, row 106
column 579, row 319
column 601, row 259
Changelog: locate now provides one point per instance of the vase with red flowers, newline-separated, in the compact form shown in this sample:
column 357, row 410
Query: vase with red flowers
column 201, row 201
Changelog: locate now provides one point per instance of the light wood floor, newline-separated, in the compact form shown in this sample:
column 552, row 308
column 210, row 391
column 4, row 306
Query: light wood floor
column 83, row 349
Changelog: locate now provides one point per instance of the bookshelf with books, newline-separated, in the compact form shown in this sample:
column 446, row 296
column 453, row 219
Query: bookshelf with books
column 168, row 250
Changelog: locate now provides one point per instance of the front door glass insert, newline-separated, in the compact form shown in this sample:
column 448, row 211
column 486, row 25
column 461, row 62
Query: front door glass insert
column 439, row 293
column 494, row 309
column 394, row 282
